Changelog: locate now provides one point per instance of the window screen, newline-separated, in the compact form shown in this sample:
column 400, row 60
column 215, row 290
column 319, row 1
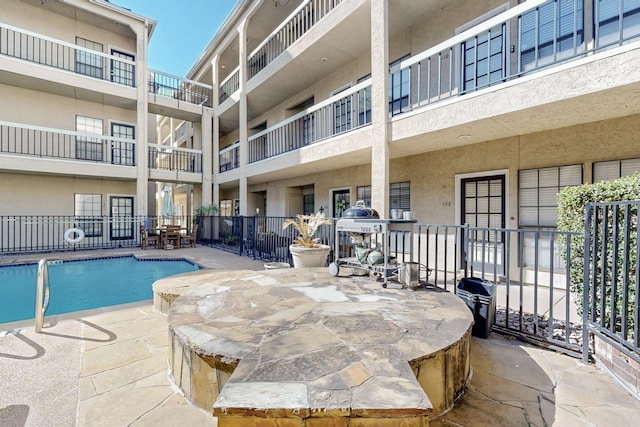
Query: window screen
column 539, row 188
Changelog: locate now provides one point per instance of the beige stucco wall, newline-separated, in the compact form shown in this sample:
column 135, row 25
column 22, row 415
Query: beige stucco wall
column 32, row 107
column 39, row 19
column 23, row 194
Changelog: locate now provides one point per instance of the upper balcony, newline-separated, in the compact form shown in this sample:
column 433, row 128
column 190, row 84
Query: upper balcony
column 35, row 61
column 38, row 62
column 538, row 66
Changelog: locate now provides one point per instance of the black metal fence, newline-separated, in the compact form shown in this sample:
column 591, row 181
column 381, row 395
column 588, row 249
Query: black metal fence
column 611, row 275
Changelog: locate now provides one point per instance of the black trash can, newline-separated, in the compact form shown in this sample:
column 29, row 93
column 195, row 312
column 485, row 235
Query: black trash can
column 480, row 296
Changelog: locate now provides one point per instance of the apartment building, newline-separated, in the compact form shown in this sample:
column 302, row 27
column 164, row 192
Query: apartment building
column 462, row 111
column 78, row 127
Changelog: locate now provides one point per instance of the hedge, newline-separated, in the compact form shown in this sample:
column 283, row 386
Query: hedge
column 572, row 203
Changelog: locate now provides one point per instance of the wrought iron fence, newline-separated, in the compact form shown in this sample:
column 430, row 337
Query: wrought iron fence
column 164, row 157
column 611, row 275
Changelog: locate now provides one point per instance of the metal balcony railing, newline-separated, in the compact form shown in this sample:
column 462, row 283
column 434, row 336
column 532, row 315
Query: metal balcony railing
column 35, row 141
column 303, row 18
column 342, row 113
column 43, row 50
column 548, row 33
column 180, row 89
column 162, row 157
column 229, row 85
column 230, row 157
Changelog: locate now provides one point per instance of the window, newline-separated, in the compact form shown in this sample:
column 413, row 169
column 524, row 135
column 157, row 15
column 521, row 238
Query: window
column 616, row 20
column 88, row 63
column 608, row 171
column 123, row 153
column 364, row 193
column 88, row 148
column 538, row 191
column 364, row 103
column 122, row 72
column 484, row 59
column 226, row 208
column 342, row 112
column 398, row 87
column 88, row 213
column 551, row 32
column 308, row 203
column 400, row 196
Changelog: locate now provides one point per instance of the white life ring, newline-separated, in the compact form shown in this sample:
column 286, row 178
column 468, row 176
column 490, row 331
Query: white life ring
column 72, row 240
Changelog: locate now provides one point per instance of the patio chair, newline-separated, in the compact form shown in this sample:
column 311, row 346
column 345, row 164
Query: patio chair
column 171, row 237
column 147, row 240
column 189, row 240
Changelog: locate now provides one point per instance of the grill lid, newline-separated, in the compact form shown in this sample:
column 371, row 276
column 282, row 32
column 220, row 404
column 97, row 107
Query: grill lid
column 360, row 210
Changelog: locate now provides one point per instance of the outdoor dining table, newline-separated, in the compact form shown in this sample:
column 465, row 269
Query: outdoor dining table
column 169, row 234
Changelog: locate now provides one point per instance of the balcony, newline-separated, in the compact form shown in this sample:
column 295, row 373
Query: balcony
column 230, row 157
column 180, row 89
column 556, row 70
column 340, row 114
column 45, row 143
column 230, row 85
column 164, row 158
column 303, row 18
column 45, row 51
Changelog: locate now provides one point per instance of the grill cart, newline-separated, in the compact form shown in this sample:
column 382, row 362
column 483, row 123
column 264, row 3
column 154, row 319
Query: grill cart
column 370, row 237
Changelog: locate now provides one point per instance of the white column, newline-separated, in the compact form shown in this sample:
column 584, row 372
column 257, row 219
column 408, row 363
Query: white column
column 208, row 155
column 215, row 131
column 242, row 119
column 142, row 128
column 379, row 106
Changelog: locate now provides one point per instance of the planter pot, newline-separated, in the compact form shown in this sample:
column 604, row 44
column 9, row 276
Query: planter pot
column 309, row 257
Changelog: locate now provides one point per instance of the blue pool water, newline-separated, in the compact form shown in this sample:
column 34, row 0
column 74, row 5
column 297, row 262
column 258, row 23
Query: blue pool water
column 83, row 284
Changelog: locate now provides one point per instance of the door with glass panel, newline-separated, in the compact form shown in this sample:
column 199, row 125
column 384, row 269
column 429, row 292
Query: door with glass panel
column 122, row 72
column 121, row 218
column 484, row 59
column 123, row 152
column 483, row 209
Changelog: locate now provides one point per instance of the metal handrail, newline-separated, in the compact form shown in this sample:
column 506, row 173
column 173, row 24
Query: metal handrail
column 42, row 293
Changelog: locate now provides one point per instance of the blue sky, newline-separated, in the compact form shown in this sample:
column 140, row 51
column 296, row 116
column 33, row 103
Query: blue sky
column 184, row 28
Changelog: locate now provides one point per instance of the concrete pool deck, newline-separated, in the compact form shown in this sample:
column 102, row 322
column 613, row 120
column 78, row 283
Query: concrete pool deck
column 109, row 368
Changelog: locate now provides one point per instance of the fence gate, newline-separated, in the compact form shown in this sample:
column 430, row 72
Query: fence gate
column 611, row 274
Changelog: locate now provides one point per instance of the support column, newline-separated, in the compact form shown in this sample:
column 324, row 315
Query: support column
column 379, row 106
column 208, row 155
column 242, row 119
column 142, row 117
column 215, row 131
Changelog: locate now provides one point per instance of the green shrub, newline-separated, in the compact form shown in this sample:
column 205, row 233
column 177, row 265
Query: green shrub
column 572, row 203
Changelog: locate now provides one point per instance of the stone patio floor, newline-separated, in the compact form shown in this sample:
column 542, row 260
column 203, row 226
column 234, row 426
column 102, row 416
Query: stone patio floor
column 108, row 368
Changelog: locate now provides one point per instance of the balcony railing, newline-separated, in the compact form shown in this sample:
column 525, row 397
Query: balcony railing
column 43, row 50
column 230, row 85
column 34, row 141
column 180, row 89
column 162, row 157
column 337, row 115
column 230, row 157
column 548, row 33
column 303, row 18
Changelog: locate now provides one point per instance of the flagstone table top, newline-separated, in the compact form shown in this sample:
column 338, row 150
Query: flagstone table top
column 301, row 344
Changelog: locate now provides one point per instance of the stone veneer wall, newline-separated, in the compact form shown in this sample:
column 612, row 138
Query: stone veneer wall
column 623, row 367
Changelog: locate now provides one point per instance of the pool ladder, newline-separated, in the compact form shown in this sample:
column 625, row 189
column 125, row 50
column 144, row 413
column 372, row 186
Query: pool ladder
column 42, row 293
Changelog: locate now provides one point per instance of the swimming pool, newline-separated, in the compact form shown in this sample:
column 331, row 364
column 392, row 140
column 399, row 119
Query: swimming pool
column 84, row 284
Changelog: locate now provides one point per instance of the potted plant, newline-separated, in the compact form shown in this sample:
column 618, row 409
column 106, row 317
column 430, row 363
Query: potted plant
column 305, row 249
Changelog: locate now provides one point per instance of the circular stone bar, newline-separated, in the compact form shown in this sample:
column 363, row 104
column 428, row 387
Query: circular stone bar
column 306, row 348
